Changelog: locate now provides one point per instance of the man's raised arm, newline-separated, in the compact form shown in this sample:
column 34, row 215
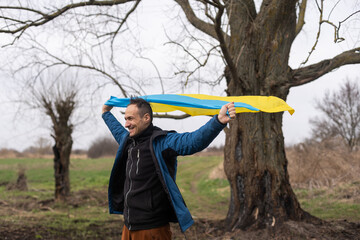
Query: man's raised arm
column 192, row 142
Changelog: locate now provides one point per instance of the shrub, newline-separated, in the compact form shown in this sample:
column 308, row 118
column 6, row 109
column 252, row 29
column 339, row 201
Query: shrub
column 10, row 153
column 101, row 147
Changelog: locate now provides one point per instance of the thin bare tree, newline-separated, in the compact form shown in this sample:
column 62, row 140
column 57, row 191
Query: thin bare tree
column 341, row 115
column 58, row 101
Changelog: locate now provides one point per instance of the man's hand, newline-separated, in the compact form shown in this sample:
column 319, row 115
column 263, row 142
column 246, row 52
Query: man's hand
column 106, row 108
column 228, row 108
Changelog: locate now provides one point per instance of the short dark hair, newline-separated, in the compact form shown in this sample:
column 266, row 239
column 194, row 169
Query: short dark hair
column 143, row 106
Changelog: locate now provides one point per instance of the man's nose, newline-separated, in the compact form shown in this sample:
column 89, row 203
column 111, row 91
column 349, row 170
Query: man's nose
column 127, row 124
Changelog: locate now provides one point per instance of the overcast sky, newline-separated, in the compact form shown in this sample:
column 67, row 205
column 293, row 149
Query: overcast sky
column 21, row 129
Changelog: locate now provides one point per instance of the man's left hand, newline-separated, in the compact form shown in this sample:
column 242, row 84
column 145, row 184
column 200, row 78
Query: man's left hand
column 227, row 113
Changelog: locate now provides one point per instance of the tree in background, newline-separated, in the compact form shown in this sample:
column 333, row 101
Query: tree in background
column 103, row 147
column 254, row 44
column 341, row 112
column 41, row 147
column 58, row 101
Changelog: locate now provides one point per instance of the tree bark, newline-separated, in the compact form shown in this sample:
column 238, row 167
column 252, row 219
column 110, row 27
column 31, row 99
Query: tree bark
column 254, row 157
column 62, row 151
column 62, row 186
column 256, row 166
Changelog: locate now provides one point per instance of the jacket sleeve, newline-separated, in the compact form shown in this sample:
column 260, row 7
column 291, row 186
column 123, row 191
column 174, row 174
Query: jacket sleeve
column 192, row 142
column 115, row 127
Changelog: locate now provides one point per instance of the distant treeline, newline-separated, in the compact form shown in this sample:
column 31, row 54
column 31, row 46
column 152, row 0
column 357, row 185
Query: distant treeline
column 100, row 147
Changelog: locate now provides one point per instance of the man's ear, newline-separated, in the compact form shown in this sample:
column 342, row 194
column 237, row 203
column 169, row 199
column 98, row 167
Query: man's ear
column 147, row 117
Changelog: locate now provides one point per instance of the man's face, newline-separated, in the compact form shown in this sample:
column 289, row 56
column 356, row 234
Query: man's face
column 133, row 122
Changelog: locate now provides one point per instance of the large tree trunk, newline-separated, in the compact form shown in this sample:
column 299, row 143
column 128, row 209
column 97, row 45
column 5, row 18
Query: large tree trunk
column 256, row 166
column 255, row 161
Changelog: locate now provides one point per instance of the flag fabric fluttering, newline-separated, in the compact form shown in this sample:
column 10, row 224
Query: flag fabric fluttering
column 201, row 104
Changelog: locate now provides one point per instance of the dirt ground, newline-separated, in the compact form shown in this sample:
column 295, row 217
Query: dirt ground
column 30, row 226
column 202, row 229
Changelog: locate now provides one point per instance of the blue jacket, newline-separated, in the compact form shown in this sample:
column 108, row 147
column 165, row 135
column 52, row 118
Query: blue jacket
column 161, row 141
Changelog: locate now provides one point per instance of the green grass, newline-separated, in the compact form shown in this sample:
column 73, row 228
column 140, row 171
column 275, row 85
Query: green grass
column 206, row 198
column 201, row 193
column 7, row 176
column 216, row 190
column 91, row 174
column 331, row 203
column 40, row 174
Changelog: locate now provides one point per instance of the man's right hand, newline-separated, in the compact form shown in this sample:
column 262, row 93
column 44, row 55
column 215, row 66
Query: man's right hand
column 106, row 108
column 228, row 108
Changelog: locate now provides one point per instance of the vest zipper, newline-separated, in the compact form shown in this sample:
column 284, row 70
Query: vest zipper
column 138, row 160
column 127, row 194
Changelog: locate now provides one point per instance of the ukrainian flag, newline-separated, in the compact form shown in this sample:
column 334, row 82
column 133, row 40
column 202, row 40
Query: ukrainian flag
column 201, row 104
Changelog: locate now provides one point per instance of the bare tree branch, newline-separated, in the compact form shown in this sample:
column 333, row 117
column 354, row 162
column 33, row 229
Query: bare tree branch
column 337, row 37
column 196, row 59
column 337, row 29
column 206, row 48
column 120, row 26
column 17, row 26
column 195, row 21
column 223, row 45
column 57, row 61
column 90, row 67
column 207, row 10
column 169, row 116
column 157, row 71
column 301, row 20
column 310, row 73
column 321, row 10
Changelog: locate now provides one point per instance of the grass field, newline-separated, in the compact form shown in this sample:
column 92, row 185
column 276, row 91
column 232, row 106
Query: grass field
column 206, row 198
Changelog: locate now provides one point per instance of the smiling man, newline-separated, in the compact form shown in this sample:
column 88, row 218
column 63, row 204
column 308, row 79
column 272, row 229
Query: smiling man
column 137, row 118
column 142, row 184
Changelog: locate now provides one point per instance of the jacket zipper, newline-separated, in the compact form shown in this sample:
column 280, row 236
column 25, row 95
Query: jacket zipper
column 127, row 194
column 138, row 160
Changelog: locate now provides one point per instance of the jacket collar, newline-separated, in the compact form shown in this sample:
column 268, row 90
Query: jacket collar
column 146, row 134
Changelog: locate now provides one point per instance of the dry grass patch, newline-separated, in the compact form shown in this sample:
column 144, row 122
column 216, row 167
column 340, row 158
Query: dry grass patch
column 325, row 164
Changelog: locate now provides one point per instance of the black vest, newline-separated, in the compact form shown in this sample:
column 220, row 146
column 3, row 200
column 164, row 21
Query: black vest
column 146, row 204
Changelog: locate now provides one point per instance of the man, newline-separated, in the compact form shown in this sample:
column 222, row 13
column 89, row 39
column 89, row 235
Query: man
column 142, row 183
